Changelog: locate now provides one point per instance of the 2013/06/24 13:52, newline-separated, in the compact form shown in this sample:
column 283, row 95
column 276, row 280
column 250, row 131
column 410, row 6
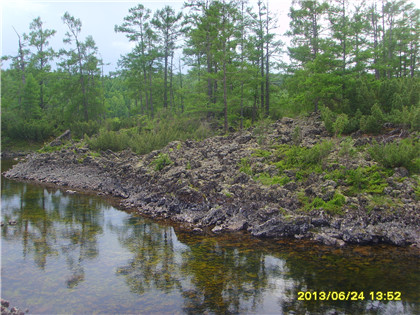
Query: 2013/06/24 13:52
column 348, row 295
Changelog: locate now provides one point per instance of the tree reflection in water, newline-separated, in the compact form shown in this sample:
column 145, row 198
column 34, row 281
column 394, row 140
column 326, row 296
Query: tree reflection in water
column 154, row 264
column 238, row 274
column 148, row 264
column 209, row 275
column 50, row 224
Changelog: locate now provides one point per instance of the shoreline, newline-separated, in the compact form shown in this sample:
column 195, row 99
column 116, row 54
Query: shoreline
column 200, row 185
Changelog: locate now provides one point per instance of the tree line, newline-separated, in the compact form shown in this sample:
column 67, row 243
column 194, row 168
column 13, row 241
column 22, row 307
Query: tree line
column 223, row 61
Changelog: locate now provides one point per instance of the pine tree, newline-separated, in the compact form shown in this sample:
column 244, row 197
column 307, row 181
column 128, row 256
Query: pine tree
column 82, row 62
column 39, row 39
column 167, row 24
column 30, row 98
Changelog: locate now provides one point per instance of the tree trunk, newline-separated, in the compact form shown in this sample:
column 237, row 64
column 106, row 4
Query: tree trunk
column 180, row 84
column 171, row 88
column 150, row 91
column 267, row 69
column 165, row 81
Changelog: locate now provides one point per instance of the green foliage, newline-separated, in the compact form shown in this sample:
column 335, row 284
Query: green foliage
column 14, row 127
column 268, row 180
column 332, row 206
column 81, row 128
column 347, row 148
column 305, row 159
column 406, row 117
column 340, row 124
column 372, row 123
column 109, row 140
column 297, row 135
column 317, row 153
column 161, row 161
column 405, row 153
column 150, row 135
column 245, row 166
column 261, row 153
column 261, row 130
column 361, row 85
column 329, row 117
column 368, row 179
column 30, row 98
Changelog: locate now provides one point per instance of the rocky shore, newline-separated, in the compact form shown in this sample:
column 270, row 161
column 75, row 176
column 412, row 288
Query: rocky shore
column 6, row 309
column 203, row 185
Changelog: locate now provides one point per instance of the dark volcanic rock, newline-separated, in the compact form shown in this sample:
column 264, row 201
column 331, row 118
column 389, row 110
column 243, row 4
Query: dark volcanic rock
column 204, row 189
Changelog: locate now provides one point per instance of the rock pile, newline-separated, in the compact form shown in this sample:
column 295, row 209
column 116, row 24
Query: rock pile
column 201, row 185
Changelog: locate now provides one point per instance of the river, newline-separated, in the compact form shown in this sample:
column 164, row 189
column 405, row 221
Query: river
column 77, row 253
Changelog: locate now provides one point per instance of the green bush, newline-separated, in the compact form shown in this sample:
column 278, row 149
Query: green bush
column 32, row 130
column 317, row 153
column 374, row 122
column 340, row 124
column 151, row 135
column 80, row 128
column 161, row 161
column 245, row 167
column 333, row 206
column 405, row 153
column 347, row 148
column 109, row 140
column 354, row 123
column 415, row 118
column 329, row 117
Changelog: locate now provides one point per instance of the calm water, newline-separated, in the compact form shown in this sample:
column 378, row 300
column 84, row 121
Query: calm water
column 78, row 254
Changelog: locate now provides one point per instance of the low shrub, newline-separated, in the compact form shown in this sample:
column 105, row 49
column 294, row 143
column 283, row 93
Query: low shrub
column 340, row 124
column 81, row 128
column 405, row 153
column 144, row 139
column 317, row 153
column 109, row 140
column 373, row 123
column 161, row 161
column 347, row 148
column 333, row 206
column 329, row 117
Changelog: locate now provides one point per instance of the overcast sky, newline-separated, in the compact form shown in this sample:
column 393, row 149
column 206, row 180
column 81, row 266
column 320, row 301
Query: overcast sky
column 98, row 19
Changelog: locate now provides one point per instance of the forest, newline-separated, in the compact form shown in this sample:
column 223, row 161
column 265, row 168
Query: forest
column 217, row 67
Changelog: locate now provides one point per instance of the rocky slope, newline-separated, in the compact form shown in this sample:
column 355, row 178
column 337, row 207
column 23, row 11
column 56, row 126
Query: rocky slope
column 205, row 186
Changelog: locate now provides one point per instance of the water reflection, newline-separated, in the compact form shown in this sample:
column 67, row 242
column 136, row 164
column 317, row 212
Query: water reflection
column 90, row 258
column 153, row 265
column 50, row 224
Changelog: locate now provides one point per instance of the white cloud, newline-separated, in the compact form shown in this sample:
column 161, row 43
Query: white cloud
column 23, row 6
column 123, row 46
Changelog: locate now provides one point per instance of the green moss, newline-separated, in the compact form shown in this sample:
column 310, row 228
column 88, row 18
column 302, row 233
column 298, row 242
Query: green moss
column 347, row 148
column 417, row 188
column 49, row 149
column 227, row 193
column 382, row 201
column 261, row 153
column 333, row 206
column 94, row 154
column 245, row 166
column 267, row 180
